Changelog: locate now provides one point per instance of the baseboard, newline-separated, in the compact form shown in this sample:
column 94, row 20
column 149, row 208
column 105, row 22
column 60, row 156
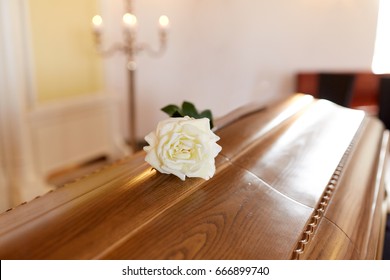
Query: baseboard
column 70, row 132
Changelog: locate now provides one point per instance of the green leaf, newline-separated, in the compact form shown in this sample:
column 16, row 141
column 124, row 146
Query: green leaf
column 188, row 109
column 209, row 115
column 177, row 114
column 171, row 110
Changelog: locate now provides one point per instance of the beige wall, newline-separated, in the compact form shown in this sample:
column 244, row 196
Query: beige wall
column 222, row 54
column 64, row 60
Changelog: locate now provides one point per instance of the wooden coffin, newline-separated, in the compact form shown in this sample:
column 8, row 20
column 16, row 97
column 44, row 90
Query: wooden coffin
column 301, row 179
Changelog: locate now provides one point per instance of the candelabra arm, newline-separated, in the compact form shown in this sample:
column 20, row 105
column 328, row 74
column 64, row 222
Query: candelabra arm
column 140, row 47
column 111, row 50
column 143, row 47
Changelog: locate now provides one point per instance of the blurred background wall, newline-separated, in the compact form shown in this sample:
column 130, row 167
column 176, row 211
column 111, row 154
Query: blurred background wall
column 62, row 104
column 223, row 54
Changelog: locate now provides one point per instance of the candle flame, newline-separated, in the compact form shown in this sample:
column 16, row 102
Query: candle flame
column 164, row 21
column 129, row 19
column 97, row 20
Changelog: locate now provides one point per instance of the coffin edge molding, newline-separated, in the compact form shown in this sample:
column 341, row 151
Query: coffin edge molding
column 320, row 209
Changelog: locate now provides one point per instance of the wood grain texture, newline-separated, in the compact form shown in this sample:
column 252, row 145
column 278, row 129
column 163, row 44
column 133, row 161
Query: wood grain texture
column 353, row 207
column 299, row 157
column 209, row 223
column 331, row 243
column 304, row 172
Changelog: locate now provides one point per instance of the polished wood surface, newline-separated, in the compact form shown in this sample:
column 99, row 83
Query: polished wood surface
column 301, row 179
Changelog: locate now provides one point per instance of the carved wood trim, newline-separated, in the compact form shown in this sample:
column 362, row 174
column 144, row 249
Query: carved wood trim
column 319, row 211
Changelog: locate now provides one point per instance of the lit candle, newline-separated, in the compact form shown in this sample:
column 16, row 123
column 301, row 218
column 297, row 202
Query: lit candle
column 130, row 22
column 164, row 22
column 97, row 23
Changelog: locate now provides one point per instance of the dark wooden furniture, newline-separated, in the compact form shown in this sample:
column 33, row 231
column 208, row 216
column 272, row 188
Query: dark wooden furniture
column 384, row 101
column 365, row 90
column 337, row 88
column 301, row 179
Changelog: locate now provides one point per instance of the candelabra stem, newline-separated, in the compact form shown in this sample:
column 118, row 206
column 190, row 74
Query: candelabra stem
column 132, row 107
column 131, row 48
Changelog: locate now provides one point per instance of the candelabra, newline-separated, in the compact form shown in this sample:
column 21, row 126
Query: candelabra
column 130, row 47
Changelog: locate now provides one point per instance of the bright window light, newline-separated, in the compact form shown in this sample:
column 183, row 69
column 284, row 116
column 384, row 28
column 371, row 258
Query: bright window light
column 381, row 59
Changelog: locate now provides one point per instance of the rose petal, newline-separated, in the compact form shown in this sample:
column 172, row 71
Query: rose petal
column 183, row 147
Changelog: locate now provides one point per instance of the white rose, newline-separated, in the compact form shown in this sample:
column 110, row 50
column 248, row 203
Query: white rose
column 183, row 147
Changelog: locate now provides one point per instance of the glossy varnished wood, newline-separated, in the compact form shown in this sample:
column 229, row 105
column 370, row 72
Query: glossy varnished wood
column 357, row 204
column 209, row 224
column 330, row 242
column 302, row 179
column 298, row 157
